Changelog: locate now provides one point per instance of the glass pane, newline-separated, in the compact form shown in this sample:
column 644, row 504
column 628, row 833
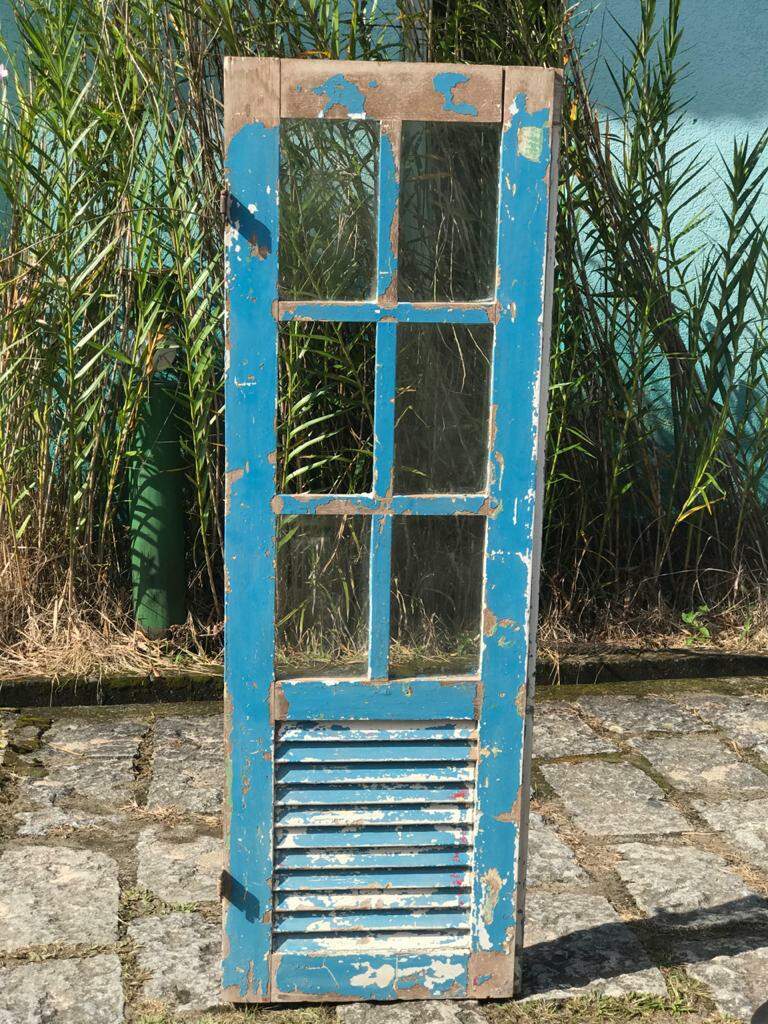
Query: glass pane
column 441, row 408
column 328, row 173
column 448, row 207
column 325, row 408
column 322, row 595
column 437, row 571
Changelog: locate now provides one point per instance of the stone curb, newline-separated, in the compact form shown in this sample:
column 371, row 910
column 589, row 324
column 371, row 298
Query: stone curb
column 571, row 670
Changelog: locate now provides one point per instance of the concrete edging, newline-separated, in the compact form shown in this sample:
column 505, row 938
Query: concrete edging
column 571, row 670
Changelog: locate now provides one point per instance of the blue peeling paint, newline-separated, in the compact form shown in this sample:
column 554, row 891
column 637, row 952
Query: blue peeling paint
column 446, row 83
column 371, row 977
column 340, row 92
column 253, row 169
column 402, row 312
column 407, row 700
column 399, row 504
column 389, row 194
column 517, row 369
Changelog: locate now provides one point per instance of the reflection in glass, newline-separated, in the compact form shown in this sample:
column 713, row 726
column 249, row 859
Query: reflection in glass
column 436, row 595
column 328, row 173
column 441, row 408
column 322, row 595
column 325, row 407
column 449, row 190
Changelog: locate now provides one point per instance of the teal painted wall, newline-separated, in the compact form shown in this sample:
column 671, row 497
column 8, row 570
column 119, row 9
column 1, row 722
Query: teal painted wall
column 725, row 45
column 9, row 33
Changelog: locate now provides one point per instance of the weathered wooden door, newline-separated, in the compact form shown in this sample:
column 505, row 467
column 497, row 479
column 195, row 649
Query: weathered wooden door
column 389, row 254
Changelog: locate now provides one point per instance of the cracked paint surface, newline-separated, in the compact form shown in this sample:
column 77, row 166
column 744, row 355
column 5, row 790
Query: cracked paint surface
column 446, row 83
column 339, row 91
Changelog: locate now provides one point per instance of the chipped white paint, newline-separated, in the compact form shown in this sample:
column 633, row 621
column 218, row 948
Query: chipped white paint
column 378, row 977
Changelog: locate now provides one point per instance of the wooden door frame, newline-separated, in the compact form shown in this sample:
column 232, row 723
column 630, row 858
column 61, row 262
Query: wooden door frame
column 526, row 102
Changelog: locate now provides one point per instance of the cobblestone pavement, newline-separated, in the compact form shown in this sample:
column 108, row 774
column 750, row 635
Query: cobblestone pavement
column 648, row 855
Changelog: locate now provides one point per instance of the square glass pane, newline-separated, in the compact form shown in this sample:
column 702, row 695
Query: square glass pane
column 436, row 594
column 441, row 408
column 448, row 211
column 328, row 175
column 322, row 596
column 325, row 407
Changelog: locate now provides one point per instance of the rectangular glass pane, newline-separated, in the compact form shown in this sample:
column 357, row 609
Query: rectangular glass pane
column 436, row 595
column 328, row 175
column 322, row 595
column 325, row 408
column 448, row 209
column 441, row 408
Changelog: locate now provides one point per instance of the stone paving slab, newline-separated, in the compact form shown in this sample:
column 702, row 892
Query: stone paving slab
column 743, row 824
column 576, row 939
column 683, row 887
column 701, row 764
column 85, row 760
column 49, row 811
column 188, row 766
column 107, row 739
column 558, row 731
column 51, row 894
column 743, row 718
column 87, row 991
column 179, row 954
column 613, row 799
column 550, row 860
column 7, row 723
column 626, row 715
column 577, row 943
column 179, row 867
column 736, row 977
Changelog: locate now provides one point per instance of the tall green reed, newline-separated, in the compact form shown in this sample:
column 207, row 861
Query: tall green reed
column 110, row 153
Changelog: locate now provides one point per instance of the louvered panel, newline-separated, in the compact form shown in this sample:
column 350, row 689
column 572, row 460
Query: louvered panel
column 376, row 838
column 363, row 900
column 373, row 836
column 351, row 817
column 353, row 732
column 408, row 878
column 373, row 774
column 452, row 793
column 372, row 750
column 372, row 942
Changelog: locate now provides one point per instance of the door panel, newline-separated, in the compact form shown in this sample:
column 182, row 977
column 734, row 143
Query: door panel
column 386, row 378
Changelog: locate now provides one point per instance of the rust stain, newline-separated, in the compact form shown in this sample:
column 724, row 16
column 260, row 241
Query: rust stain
column 492, row 886
column 477, row 703
column 490, row 622
column 234, row 994
column 520, row 700
column 490, row 974
column 492, row 426
column 513, row 814
column 230, row 480
column 259, row 251
column 277, row 504
column 278, row 703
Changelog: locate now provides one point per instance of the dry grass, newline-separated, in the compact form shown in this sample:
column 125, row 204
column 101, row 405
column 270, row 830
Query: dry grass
column 685, row 1003
column 736, row 628
column 55, row 643
column 89, row 643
